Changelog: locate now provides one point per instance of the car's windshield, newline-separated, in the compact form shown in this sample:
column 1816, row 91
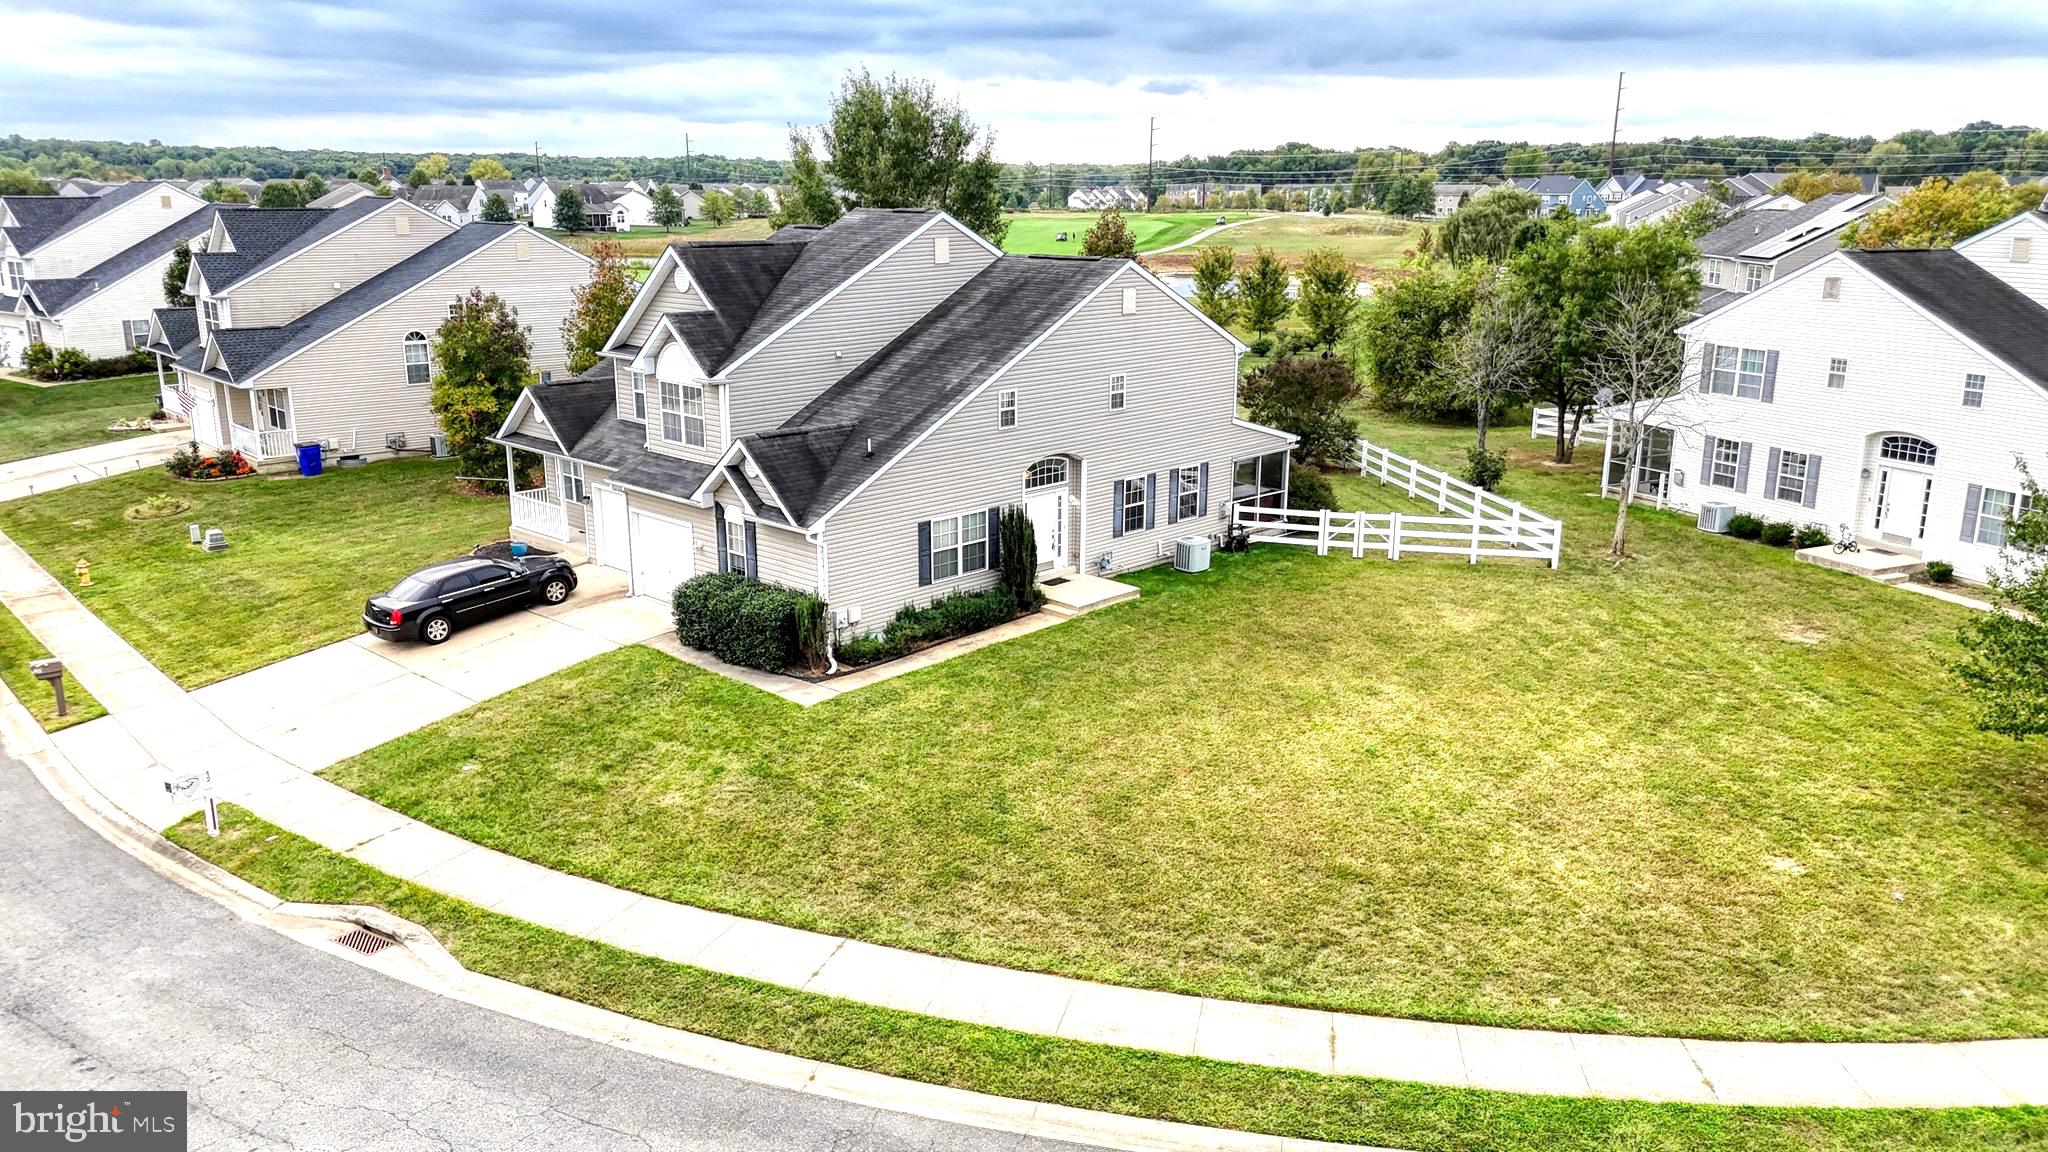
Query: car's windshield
column 413, row 588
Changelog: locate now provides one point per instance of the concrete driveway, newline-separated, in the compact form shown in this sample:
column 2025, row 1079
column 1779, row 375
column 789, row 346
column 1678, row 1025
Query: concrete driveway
column 19, row 478
column 323, row 706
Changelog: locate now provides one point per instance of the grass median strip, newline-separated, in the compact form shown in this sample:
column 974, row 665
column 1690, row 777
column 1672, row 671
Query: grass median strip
column 17, row 648
column 1081, row 1075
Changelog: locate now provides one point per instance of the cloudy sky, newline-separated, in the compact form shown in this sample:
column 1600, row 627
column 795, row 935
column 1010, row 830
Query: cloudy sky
column 1057, row 82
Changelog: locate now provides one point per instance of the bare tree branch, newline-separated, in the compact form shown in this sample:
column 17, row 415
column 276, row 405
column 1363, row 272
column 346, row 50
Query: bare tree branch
column 1640, row 378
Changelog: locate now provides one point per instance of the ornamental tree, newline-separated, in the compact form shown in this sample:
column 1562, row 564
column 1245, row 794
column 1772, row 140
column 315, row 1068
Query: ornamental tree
column 482, row 357
column 599, row 304
column 1262, row 292
column 1215, row 273
column 1110, row 236
column 668, row 207
column 496, row 211
column 569, row 210
column 2007, row 669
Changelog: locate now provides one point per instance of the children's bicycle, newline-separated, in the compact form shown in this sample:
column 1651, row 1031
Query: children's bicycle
column 1845, row 541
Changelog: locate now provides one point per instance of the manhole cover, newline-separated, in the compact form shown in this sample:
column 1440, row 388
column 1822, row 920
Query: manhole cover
column 365, row 941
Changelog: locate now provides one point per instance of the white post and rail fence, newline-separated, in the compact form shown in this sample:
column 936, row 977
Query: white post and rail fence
column 1593, row 426
column 1478, row 525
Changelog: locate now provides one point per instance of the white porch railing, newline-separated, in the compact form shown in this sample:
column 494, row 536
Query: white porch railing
column 260, row 445
column 540, row 510
column 1594, row 427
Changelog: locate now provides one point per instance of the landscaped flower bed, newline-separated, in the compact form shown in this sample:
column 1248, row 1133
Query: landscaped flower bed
column 192, row 464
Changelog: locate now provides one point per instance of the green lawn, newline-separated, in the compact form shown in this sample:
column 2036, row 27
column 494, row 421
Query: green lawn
column 302, row 555
column 17, row 648
column 1372, row 242
column 1709, row 792
column 1348, row 1109
column 1034, row 232
column 649, row 242
column 38, row 421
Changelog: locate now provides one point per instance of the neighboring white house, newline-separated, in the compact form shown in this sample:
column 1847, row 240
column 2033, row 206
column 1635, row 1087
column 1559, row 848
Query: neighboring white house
column 1891, row 393
column 847, row 409
column 600, row 213
column 1449, row 197
column 1651, row 204
column 1097, row 198
column 104, row 311
column 513, row 192
column 344, row 192
column 1757, row 247
column 451, row 202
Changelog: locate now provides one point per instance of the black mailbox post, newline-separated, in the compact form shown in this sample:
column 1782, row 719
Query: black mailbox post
column 51, row 670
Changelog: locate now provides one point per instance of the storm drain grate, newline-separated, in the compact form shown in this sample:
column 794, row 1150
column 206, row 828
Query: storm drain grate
column 365, row 941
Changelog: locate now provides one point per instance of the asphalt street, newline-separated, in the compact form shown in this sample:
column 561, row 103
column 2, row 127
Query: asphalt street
column 116, row 978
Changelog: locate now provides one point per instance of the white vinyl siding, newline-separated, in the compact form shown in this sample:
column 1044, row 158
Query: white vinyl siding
column 293, row 287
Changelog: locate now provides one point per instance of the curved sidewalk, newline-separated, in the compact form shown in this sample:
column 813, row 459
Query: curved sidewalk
column 154, row 726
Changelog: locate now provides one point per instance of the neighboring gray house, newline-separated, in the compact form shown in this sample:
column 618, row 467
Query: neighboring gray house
column 1450, row 196
column 1651, row 204
column 448, row 201
column 312, row 325
column 343, row 192
column 847, row 409
column 1758, row 247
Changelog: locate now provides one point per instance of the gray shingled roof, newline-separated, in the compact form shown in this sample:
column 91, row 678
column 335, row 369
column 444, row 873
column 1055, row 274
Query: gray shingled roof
column 738, row 277
column 181, row 329
column 41, row 219
column 54, row 296
column 1753, row 228
column 427, row 195
column 829, row 257
column 1996, row 316
column 854, row 428
column 1555, row 184
column 249, row 351
column 266, row 236
column 664, row 475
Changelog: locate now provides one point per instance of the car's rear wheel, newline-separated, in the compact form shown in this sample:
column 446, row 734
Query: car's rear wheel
column 555, row 590
column 435, row 629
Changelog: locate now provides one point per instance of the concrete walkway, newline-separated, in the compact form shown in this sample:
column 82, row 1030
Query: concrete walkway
column 84, row 465
column 282, row 716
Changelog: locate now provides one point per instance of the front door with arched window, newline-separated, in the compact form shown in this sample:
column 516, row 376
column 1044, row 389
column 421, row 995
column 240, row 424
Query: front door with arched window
column 1045, row 502
column 1905, row 487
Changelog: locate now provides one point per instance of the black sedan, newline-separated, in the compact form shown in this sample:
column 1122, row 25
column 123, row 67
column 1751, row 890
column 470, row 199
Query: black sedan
column 432, row 603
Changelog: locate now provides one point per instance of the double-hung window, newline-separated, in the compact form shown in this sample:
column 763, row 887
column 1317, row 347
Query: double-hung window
column 1187, row 492
column 1727, row 463
column 1713, row 273
column 1973, row 391
column 134, row 333
column 276, row 406
column 1006, row 408
column 1749, row 378
column 959, row 545
column 210, row 315
column 35, row 331
column 572, row 481
column 1116, row 392
column 693, row 413
column 671, row 411
column 1995, row 512
column 1838, row 373
column 417, row 369
column 735, row 540
column 16, row 273
column 1790, row 482
column 1752, row 276
column 639, row 395
column 1133, row 510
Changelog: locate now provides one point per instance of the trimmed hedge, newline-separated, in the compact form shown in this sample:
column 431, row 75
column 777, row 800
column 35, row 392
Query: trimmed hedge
column 1777, row 533
column 1743, row 526
column 41, row 362
column 749, row 623
column 943, row 619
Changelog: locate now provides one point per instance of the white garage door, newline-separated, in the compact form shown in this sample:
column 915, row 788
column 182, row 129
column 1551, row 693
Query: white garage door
column 661, row 555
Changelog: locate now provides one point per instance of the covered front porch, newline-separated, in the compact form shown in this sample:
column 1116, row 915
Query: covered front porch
column 551, row 514
column 260, row 424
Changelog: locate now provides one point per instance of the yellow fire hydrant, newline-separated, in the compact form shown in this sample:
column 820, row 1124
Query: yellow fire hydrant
column 84, row 571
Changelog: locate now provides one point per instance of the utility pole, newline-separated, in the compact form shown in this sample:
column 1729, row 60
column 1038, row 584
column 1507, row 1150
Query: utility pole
column 1151, row 140
column 1616, row 134
column 539, row 169
column 686, row 159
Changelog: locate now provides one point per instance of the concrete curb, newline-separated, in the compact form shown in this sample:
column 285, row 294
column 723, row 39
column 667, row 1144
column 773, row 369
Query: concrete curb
column 424, row 963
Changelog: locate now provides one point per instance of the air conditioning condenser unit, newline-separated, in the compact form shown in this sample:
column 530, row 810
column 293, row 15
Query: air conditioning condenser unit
column 1191, row 554
column 1715, row 514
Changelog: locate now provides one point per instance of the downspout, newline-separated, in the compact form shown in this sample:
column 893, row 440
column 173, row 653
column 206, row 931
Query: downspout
column 817, row 538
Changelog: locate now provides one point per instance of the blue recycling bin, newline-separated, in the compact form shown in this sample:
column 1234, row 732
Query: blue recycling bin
column 309, row 459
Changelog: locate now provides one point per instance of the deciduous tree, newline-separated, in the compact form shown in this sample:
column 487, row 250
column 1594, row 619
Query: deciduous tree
column 1637, row 375
column 569, row 210
column 1407, row 336
column 2007, row 668
column 1305, row 395
column 282, row 194
column 1329, row 295
column 598, row 305
column 810, row 199
column 1110, row 236
column 1215, row 272
column 894, row 143
column 719, row 208
column 1490, row 358
column 433, row 167
column 496, row 211
column 482, row 356
column 1938, row 213
column 668, row 208
column 1809, row 184
column 488, row 168
column 1262, row 292
column 175, row 273
column 1411, row 194
column 22, row 182
column 1489, row 227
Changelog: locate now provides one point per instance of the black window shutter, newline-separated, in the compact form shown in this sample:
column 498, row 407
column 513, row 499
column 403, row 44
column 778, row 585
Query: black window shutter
column 995, row 537
column 1151, row 494
column 1971, row 500
column 1116, row 508
column 718, row 520
column 924, row 552
column 1202, row 493
column 1770, row 376
column 753, row 555
column 1812, row 480
column 1706, row 371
